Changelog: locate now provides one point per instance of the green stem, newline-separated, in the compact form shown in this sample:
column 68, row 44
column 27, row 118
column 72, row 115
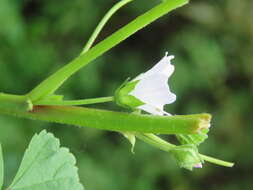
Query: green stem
column 15, row 103
column 155, row 141
column 166, row 146
column 52, row 83
column 102, row 23
column 76, row 102
column 216, row 161
column 100, row 119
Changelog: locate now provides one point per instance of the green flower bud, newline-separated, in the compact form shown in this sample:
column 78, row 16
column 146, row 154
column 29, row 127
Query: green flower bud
column 187, row 156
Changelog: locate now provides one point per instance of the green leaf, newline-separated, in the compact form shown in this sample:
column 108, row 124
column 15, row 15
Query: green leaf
column 195, row 139
column 1, row 168
column 46, row 166
column 187, row 156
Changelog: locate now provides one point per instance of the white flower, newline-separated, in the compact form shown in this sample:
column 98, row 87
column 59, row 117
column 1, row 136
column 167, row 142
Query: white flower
column 149, row 91
column 153, row 89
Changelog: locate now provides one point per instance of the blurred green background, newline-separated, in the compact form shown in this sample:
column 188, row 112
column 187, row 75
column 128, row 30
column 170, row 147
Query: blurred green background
column 213, row 44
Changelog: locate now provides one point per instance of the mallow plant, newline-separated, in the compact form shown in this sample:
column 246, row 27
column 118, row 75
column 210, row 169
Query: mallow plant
column 46, row 165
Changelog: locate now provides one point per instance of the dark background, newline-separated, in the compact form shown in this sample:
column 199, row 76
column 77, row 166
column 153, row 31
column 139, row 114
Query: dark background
column 212, row 41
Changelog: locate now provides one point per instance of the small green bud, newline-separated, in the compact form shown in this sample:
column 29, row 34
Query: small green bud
column 187, row 156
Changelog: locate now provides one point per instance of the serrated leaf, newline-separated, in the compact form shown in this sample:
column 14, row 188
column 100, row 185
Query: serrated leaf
column 195, row 139
column 46, row 166
column 1, row 168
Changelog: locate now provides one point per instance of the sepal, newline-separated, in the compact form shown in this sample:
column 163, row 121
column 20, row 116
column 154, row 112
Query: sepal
column 195, row 139
column 124, row 99
column 131, row 138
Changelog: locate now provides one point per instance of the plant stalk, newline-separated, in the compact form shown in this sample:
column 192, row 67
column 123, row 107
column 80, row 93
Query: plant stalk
column 102, row 119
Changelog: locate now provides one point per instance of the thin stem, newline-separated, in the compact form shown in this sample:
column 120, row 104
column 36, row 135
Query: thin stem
column 155, row 141
column 102, row 23
column 52, row 83
column 216, row 161
column 166, row 146
column 76, row 102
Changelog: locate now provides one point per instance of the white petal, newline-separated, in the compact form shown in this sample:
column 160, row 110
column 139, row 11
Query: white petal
column 154, row 90
column 151, row 109
column 164, row 67
column 152, row 87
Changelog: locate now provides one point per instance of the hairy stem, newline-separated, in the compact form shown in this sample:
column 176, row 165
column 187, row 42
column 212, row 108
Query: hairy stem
column 102, row 119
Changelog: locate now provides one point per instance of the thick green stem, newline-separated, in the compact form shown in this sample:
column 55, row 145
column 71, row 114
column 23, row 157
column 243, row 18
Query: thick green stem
column 102, row 23
column 76, row 102
column 166, row 146
column 51, row 84
column 15, row 103
column 102, row 119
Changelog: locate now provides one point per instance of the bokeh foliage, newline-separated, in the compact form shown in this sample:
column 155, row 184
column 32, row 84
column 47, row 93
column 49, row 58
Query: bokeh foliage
column 213, row 44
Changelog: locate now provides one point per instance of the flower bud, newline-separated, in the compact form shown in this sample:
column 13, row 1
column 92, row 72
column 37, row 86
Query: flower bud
column 187, row 156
